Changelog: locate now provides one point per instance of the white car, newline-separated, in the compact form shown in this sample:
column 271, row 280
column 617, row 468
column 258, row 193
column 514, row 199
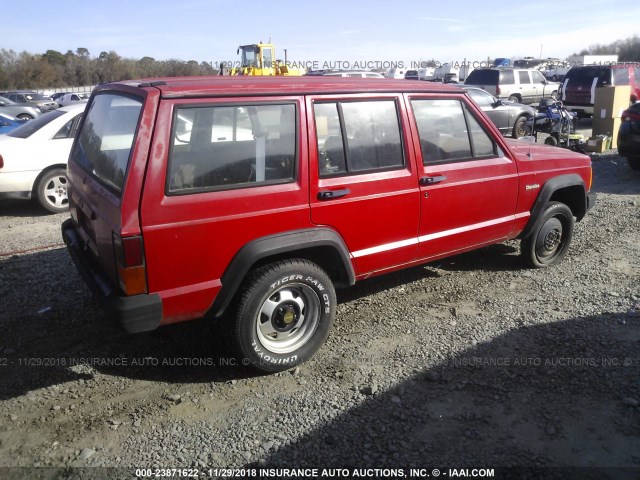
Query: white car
column 71, row 98
column 33, row 158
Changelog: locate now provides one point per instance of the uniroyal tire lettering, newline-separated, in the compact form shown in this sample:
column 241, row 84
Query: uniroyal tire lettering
column 269, row 359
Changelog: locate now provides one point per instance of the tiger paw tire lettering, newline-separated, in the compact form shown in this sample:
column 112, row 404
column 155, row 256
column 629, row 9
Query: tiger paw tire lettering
column 284, row 314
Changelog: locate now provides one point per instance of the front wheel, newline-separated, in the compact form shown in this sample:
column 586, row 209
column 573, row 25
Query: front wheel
column 549, row 242
column 51, row 191
column 519, row 129
column 284, row 314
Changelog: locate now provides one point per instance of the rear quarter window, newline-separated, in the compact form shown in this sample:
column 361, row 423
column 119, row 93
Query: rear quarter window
column 482, row 77
column 106, row 138
column 231, row 146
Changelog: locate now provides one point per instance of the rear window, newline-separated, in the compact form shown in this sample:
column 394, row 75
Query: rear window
column 585, row 75
column 32, row 126
column 105, row 141
column 621, row 76
column 482, row 77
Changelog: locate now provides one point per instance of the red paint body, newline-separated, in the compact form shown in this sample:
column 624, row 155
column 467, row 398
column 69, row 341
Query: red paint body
column 388, row 220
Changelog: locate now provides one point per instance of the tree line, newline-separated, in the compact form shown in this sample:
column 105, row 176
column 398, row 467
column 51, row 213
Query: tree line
column 55, row 69
column 628, row 50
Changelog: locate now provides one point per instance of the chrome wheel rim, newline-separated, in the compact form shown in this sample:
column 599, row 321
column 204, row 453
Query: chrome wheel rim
column 288, row 318
column 55, row 191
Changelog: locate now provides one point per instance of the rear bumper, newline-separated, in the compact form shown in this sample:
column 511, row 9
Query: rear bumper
column 139, row 313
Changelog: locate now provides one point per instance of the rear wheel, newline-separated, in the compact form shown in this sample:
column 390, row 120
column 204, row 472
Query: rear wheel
column 284, row 314
column 51, row 191
column 514, row 98
column 25, row 116
column 548, row 243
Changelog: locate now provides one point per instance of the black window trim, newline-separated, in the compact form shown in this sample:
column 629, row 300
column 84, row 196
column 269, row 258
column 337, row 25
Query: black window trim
column 108, row 185
column 345, row 139
column 239, row 186
column 466, row 110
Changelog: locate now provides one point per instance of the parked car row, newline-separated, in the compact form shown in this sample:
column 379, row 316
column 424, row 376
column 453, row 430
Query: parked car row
column 39, row 103
column 33, row 157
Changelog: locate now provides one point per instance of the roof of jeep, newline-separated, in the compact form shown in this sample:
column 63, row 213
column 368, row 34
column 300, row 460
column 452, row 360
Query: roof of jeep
column 175, row 87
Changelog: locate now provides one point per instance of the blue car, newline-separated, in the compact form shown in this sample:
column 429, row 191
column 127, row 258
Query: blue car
column 8, row 123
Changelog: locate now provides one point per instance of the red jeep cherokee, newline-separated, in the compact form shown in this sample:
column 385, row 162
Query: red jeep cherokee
column 254, row 197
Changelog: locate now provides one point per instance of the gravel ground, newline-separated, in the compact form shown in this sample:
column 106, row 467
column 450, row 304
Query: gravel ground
column 471, row 362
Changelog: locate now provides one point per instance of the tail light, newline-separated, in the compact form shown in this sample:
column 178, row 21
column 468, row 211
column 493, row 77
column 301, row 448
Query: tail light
column 498, row 91
column 630, row 116
column 130, row 264
column 1, row 161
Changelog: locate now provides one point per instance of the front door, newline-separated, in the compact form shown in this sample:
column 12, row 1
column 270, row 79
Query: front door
column 468, row 184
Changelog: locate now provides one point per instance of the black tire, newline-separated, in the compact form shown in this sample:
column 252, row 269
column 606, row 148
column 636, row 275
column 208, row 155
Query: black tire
column 514, row 98
column 283, row 315
column 51, row 191
column 519, row 129
column 634, row 163
column 554, row 95
column 553, row 141
column 550, row 240
column 25, row 116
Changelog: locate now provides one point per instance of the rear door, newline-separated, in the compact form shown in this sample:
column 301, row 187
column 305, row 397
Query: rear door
column 469, row 186
column 223, row 173
column 363, row 178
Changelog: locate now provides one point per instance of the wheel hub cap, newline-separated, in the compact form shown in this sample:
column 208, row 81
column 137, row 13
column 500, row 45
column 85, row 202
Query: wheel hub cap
column 552, row 240
column 285, row 317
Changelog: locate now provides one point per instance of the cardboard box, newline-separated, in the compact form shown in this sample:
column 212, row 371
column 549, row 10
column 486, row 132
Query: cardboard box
column 597, row 144
column 610, row 102
column 608, row 127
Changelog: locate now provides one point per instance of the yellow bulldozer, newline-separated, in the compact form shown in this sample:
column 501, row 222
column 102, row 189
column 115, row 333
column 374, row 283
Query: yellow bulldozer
column 260, row 60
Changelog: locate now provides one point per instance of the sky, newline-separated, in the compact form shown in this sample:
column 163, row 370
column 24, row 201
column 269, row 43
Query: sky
column 320, row 33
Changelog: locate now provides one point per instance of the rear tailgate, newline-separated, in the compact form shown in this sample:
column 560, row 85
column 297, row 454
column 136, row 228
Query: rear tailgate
column 106, row 173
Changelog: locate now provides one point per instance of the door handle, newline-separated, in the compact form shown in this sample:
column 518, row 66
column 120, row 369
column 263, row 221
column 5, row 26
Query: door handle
column 432, row 180
column 331, row 194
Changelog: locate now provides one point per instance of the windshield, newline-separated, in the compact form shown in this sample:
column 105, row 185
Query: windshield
column 249, row 56
column 106, row 138
column 32, row 126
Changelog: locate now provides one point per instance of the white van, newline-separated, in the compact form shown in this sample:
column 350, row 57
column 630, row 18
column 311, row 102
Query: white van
column 396, row 73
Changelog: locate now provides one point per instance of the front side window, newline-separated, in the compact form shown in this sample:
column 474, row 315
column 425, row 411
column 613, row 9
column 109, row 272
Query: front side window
column 223, row 147
column 448, row 132
column 107, row 136
column 356, row 137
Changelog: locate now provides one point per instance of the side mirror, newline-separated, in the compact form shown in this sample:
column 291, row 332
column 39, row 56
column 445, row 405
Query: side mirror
column 497, row 103
column 2, row 104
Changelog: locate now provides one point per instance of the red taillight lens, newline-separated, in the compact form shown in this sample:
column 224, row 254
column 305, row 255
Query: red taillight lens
column 498, row 91
column 132, row 272
column 1, row 161
column 630, row 116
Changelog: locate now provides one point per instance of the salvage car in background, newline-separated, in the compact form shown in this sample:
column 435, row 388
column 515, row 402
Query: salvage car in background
column 45, row 104
column 629, row 136
column 33, row 158
column 70, row 98
column 509, row 117
column 8, row 123
column 523, row 85
column 23, row 111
